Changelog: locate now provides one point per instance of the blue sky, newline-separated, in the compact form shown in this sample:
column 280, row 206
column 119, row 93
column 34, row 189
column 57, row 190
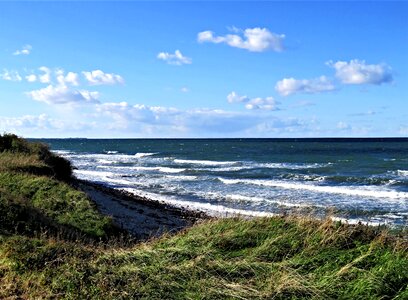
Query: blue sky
column 204, row 69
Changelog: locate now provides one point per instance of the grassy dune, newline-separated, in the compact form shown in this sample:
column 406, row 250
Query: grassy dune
column 35, row 193
column 263, row 258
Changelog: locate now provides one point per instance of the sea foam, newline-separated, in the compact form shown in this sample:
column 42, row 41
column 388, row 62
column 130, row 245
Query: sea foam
column 347, row 190
column 204, row 162
column 142, row 154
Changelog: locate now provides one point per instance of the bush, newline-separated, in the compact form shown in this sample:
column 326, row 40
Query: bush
column 60, row 167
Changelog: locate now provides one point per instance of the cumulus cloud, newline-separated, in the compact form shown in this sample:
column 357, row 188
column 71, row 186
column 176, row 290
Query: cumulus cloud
column 289, row 86
column 185, row 89
column 61, row 94
column 98, row 77
column 31, row 78
column 10, row 75
column 268, row 103
column 233, row 97
column 46, row 76
column 25, row 50
column 71, row 78
column 251, row 39
column 177, row 58
column 358, row 72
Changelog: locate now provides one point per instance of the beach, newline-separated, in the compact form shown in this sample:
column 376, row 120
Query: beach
column 143, row 218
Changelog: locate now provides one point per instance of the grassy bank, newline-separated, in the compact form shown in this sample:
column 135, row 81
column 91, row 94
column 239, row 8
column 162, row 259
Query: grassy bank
column 274, row 258
column 263, row 258
column 35, row 193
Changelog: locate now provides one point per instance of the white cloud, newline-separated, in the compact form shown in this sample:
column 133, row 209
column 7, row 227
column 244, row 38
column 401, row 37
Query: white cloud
column 44, row 125
column 177, row 58
column 25, row 50
column 98, row 77
column 71, row 78
column 46, row 76
column 61, row 94
column 122, row 119
column 167, row 121
column 288, row 86
column 31, row 78
column 28, row 122
column 254, row 39
column 10, row 75
column 358, row 72
column 268, row 103
column 235, row 98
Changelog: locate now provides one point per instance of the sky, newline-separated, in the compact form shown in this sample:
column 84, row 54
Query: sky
column 192, row 69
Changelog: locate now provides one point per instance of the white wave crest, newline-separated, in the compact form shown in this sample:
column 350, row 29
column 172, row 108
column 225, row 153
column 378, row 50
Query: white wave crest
column 106, row 158
column 347, row 190
column 182, row 177
column 402, row 172
column 293, row 166
column 142, row 154
column 235, row 197
column 111, row 152
column 93, row 173
column 211, row 209
column 170, row 170
column 160, row 169
column 62, row 152
column 204, row 162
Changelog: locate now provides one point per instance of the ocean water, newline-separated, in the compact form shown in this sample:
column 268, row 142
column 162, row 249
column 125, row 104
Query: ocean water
column 355, row 179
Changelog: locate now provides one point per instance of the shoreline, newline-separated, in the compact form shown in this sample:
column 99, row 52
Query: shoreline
column 141, row 217
column 144, row 217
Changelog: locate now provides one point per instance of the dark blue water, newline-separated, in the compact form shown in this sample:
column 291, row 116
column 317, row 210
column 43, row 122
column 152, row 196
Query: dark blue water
column 357, row 179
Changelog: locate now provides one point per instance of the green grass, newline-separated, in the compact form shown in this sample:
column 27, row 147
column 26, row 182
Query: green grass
column 45, row 252
column 268, row 258
column 35, row 193
column 53, row 199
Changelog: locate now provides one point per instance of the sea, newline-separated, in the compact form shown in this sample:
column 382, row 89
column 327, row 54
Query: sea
column 358, row 180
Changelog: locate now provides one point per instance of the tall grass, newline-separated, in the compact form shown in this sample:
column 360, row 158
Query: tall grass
column 267, row 258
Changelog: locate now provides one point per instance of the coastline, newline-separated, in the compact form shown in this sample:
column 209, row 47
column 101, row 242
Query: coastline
column 301, row 257
column 145, row 217
column 140, row 216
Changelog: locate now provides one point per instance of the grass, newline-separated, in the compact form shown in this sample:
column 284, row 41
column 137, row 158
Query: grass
column 266, row 258
column 51, row 199
column 35, row 193
column 263, row 258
